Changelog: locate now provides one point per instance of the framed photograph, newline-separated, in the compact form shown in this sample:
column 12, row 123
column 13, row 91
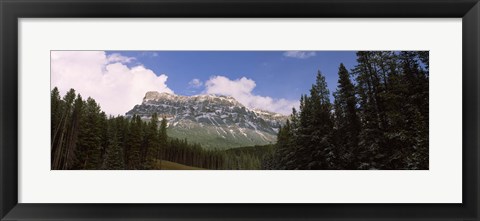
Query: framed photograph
column 259, row 110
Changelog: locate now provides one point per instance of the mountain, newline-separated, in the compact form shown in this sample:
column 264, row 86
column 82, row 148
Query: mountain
column 214, row 121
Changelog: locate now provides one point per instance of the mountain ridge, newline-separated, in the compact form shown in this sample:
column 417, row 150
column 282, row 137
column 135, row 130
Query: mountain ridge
column 213, row 121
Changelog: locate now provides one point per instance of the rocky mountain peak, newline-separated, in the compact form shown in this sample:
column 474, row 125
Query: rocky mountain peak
column 214, row 121
column 152, row 97
column 155, row 95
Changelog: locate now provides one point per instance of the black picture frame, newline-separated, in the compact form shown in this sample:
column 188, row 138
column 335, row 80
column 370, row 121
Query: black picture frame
column 12, row 10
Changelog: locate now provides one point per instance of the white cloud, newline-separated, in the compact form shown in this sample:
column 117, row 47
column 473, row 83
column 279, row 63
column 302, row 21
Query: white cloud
column 116, row 87
column 299, row 54
column 241, row 89
column 195, row 83
column 116, row 57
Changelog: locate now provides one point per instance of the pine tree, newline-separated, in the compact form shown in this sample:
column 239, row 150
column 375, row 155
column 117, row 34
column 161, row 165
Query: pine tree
column 57, row 106
column 56, row 110
column 324, row 155
column 90, row 137
column 393, row 109
column 303, row 155
column 416, row 109
column 134, row 144
column 122, row 131
column 153, row 142
column 291, row 153
column 282, row 148
column 314, row 134
column 162, row 138
column 114, row 151
column 347, row 123
column 371, row 137
column 60, row 134
column 72, row 133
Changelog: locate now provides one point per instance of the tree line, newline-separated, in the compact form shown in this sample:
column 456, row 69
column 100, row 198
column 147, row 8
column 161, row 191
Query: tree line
column 84, row 138
column 378, row 120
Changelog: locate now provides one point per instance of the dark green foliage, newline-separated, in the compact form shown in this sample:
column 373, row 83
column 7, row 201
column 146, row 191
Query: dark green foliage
column 314, row 147
column 247, row 158
column 134, row 144
column 114, row 151
column 282, row 156
column 90, row 141
column 152, row 142
column 347, row 122
column 380, row 122
column 372, row 113
column 285, row 154
column 162, row 138
column 66, row 115
column 393, row 91
column 56, row 112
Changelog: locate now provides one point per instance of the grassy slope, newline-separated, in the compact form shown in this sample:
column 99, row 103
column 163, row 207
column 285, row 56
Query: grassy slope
column 208, row 137
column 168, row 165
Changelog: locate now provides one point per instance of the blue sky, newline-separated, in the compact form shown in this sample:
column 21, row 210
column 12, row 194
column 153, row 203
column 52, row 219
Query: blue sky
column 275, row 74
column 267, row 80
